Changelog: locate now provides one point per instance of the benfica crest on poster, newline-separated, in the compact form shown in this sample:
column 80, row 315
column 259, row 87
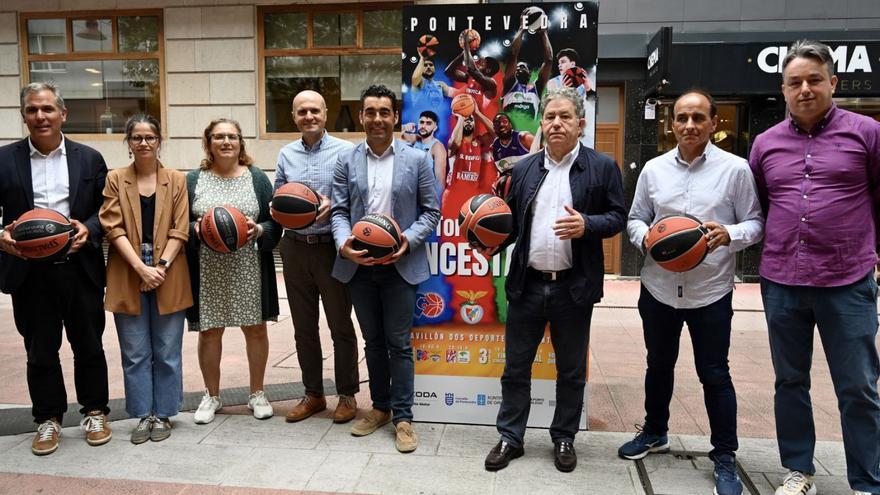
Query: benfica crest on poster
column 472, row 80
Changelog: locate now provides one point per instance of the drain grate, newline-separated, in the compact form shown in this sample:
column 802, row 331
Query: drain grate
column 691, row 456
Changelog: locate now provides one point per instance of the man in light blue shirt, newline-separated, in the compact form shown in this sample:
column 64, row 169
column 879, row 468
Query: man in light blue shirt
column 308, row 255
column 702, row 180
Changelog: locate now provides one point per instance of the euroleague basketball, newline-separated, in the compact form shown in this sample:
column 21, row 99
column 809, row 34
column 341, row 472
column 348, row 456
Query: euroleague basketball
column 574, row 77
column 463, row 105
column 677, row 242
column 486, row 220
column 428, row 45
column 501, row 186
column 472, row 35
column 223, row 229
column 295, row 205
column 378, row 234
column 43, row 234
column 534, row 19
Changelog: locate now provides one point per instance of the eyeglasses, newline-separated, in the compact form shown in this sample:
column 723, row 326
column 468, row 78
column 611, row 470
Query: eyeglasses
column 233, row 138
column 151, row 140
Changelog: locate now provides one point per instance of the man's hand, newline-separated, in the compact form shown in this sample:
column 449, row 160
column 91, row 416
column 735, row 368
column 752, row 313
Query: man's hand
column 404, row 246
column 361, row 257
column 7, row 243
column 81, row 236
column 717, row 235
column 571, row 227
column 254, row 231
column 486, row 252
column 323, row 209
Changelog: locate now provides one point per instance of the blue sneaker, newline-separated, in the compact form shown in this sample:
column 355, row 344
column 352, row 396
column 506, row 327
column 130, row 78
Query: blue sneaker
column 727, row 482
column 643, row 444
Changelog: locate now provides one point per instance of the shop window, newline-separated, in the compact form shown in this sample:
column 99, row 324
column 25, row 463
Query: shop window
column 107, row 67
column 731, row 133
column 336, row 50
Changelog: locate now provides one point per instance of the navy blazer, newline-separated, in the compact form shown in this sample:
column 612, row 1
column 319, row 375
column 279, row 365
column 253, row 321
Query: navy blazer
column 413, row 205
column 597, row 193
column 87, row 173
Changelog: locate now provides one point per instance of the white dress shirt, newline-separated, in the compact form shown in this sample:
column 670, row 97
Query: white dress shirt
column 546, row 251
column 380, row 174
column 51, row 179
column 716, row 187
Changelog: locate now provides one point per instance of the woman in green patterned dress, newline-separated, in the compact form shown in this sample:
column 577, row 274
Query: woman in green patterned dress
column 238, row 288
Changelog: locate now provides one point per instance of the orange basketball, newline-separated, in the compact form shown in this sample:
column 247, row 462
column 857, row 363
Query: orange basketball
column 463, row 104
column 428, row 45
column 43, row 234
column 223, row 229
column 677, row 242
column 378, row 234
column 472, row 35
column 487, row 220
column 295, row 205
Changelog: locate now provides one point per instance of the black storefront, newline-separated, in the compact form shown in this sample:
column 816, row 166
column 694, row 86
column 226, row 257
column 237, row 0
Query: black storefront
column 743, row 72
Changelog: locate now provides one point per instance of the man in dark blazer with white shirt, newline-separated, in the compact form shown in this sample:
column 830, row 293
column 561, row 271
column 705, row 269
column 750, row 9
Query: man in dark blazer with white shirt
column 46, row 170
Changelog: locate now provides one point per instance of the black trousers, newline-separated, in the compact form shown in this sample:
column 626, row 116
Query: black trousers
column 52, row 297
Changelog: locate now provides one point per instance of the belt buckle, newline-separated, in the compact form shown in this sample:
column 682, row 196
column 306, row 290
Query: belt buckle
column 312, row 239
column 553, row 276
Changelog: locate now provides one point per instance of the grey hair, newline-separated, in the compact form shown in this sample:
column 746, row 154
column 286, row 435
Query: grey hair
column 36, row 87
column 820, row 52
column 565, row 93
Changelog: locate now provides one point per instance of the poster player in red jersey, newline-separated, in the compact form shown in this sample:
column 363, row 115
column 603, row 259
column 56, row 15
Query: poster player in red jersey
column 475, row 77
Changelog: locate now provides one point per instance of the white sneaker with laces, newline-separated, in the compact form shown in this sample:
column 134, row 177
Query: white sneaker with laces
column 796, row 483
column 258, row 403
column 205, row 413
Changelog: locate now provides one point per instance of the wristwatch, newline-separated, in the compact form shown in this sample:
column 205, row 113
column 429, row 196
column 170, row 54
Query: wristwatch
column 164, row 262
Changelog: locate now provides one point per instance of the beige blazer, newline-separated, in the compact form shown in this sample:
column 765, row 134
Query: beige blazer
column 121, row 216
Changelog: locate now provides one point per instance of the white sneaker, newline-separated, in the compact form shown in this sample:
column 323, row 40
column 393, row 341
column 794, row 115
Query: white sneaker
column 205, row 413
column 796, row 483
column 258, row 403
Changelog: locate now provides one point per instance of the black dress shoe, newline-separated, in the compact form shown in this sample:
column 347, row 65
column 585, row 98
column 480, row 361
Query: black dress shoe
column 501, row 455
column 565, row 458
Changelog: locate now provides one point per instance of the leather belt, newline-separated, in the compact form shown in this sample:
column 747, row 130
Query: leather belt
column 310, row 238
column 549, row 276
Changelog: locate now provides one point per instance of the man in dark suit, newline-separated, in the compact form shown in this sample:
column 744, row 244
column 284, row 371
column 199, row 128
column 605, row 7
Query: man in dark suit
column 383, row 175
column 564, row 200
column 46, row 170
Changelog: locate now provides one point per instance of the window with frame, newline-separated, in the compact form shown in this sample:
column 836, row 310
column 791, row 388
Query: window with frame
column 108, row 67
column 336, row 50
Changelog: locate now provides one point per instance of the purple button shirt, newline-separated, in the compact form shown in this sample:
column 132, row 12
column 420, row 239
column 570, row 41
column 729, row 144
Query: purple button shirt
column 820, row 190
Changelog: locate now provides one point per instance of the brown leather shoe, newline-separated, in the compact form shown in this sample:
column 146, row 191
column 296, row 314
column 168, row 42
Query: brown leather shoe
column 96, row 427
column 345, row 409
column 310, row 404
column 406, row 439
column 47, row 438
column 374, row 420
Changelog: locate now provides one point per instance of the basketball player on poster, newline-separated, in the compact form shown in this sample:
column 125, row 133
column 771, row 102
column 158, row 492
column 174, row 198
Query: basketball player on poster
column 521, row 97
column 572, row 75
column 477, row 77
column 426, row 91
column 422, row 137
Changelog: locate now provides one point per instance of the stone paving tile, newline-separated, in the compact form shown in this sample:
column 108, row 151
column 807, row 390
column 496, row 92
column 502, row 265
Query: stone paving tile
column 397, row 473
column 339, row 437
column 339, row 472
column 272, row 432
column 275, row 468
column 536, row 474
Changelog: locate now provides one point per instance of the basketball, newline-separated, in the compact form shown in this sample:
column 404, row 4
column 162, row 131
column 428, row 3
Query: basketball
column 574, row 77
column 378, row 234
column 223, row 229
column 295, row 205
column 535, row 19
column 43, row 234
column 428, row 45
column 486, row 220
column 471, row 35
column 677, row 242
column 501, row 187
column 463, row 104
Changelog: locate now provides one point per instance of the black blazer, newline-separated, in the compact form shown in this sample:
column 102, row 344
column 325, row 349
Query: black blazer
column 597, row 193
column 87, row 172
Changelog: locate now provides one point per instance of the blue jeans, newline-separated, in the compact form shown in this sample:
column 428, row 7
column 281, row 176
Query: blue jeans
column 151, row 359
column 542, row 303
column 383, row 303
column 709, row 328
column 847, row 321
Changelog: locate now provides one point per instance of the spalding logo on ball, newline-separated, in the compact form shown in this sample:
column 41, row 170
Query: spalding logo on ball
column 486, row 220
column 223, row 229
column 677, row 242
column 43, row 234
column 295, row 205
column 378, row 234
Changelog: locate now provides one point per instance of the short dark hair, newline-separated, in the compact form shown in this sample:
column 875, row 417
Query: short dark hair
column 379, row 91
column 431, row 115
column 570, row 53
column 713, row 109
column 142, row 118
column 500, row 115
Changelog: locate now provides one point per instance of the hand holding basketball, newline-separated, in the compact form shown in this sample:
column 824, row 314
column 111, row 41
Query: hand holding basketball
column 487, row 252
column 571, row 227
column 323, row 209
column 717, row 235
column 254, row 231
column 81, row 236
column 7, row 243
column 404, row 245
column 361, row 257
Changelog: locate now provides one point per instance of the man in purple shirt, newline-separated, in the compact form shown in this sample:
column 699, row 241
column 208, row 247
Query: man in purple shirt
column 818, row 178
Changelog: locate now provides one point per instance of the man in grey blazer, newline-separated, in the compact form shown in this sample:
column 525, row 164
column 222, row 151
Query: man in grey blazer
column 384, row 175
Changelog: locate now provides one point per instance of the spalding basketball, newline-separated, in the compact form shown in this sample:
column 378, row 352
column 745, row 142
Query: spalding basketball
column 463, row 105
column 428, row 45
column 378, row 234
column 471, row 35
column 677, row 242
column 486, row 220
column 43, row 234
column 223, row 229
column 295, row 205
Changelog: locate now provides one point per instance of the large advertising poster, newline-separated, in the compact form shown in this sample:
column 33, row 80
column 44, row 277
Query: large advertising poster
column 473, row 77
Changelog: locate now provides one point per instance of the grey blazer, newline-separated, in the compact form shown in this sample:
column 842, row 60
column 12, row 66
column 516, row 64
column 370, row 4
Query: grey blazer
column 414, row 206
